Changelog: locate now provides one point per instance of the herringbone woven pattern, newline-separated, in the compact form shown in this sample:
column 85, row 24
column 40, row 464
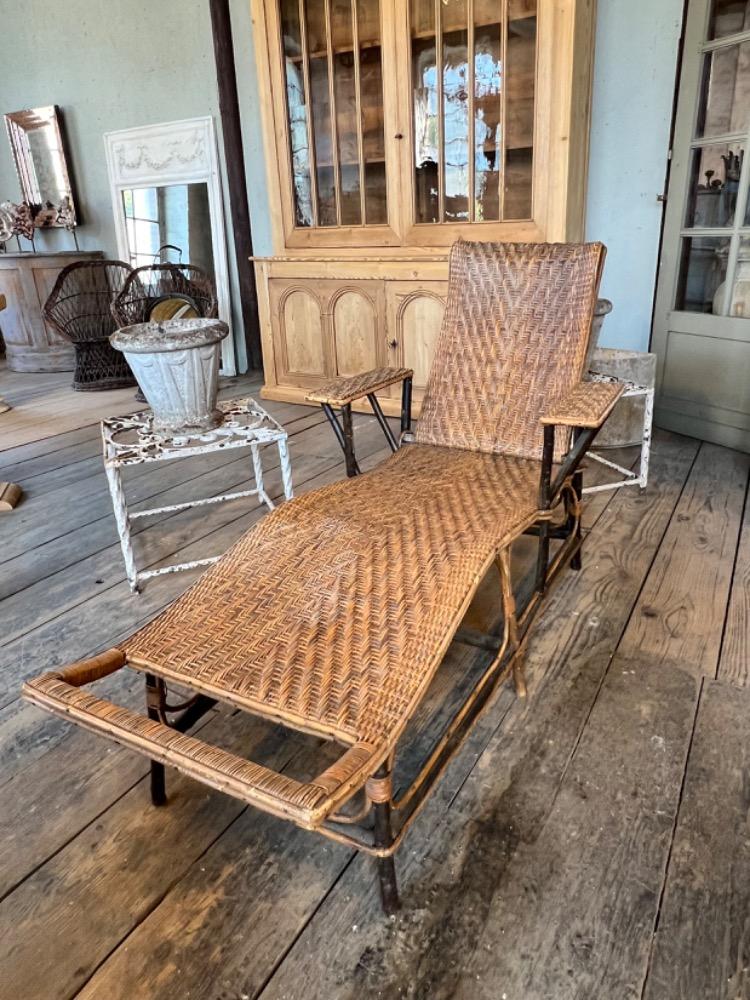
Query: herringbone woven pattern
column 335, row 611
column 586, row 405
column 347, row 388
column 513, row 340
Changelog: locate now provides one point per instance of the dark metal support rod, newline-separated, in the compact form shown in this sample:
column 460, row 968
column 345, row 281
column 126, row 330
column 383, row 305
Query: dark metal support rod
column 406, row 405
column 333, row 421
column 352, row 469
column 542, row 559
column 187, row 719
column 384, row 425
column 154, row 696
column 386, row 866
column 473, row 637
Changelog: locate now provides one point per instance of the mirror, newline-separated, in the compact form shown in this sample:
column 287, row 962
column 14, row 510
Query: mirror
column 171, row 222
column 167, row 204
column 38, row 150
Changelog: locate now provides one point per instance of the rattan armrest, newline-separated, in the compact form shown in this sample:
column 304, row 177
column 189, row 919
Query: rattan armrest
column 305, row 803
column 586, row 405
column 346, row 388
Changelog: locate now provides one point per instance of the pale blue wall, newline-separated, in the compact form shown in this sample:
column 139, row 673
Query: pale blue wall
column 634, row 81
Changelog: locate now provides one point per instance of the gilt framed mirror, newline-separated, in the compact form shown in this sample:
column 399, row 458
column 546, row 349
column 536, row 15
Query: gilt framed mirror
column 36, row 139
column 167, row 202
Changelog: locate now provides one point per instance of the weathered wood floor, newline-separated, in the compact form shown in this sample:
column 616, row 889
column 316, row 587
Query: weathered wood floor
column 591, row 843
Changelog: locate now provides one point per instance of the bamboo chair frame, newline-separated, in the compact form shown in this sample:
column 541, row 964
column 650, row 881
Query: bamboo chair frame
column 569, row 424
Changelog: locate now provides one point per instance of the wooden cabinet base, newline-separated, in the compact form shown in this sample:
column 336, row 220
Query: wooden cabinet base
column 326, row 317
column 26, row 279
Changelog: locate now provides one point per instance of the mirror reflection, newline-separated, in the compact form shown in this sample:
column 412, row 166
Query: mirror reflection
column 169, row 223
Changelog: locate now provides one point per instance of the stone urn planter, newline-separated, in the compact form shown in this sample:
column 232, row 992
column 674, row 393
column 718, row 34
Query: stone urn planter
column 176, row 363
column 625, row 427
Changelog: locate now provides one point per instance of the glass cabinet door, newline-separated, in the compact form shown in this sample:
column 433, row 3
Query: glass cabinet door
column 473, row 74
column 333, row 66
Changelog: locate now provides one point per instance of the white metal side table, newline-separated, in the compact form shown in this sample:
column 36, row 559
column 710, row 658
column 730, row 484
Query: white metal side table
column 631, row 478
column 131, row 440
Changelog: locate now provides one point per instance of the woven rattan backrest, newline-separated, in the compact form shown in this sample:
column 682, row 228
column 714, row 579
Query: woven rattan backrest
column 153, row 282
column 513, row 340
column 79, row 305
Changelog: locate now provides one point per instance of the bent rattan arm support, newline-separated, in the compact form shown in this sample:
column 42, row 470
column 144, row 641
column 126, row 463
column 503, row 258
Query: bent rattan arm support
column 348, row 388
column 306, row 804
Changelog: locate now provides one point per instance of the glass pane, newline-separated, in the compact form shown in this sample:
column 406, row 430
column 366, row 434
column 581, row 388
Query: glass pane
column 728, row 17
column 373, row 137
column 520, row 82
column 455, row 66
column 725, row 93
column 740, row 302
column 703, row 269
column 488, row 148
column 714, row 183
column 321, row 119
column 296, row 112
column 346, row 110
column 425, row 97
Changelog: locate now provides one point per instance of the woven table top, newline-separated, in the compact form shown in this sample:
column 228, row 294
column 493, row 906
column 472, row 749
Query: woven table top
column 333, row 614
column 345, row 389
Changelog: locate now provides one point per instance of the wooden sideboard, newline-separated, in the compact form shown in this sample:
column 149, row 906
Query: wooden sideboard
column 321, row 318
column 390, row 129
column 26, row 279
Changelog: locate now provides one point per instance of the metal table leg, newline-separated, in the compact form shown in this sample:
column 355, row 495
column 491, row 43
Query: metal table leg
column 114, row 478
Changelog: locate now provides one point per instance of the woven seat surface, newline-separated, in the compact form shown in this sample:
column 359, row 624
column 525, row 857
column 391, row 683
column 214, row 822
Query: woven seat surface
column 347, row 388
column 334, row 612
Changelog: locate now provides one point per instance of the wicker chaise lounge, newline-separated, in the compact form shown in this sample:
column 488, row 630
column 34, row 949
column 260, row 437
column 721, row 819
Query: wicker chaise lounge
column 334, row 613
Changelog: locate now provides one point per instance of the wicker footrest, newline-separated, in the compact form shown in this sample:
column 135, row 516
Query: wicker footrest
column 306, row 804
column 347, row 388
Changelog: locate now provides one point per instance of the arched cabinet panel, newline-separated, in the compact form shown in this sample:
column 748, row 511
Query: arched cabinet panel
column 298, row 334
column 415, row 315
column 357, row 324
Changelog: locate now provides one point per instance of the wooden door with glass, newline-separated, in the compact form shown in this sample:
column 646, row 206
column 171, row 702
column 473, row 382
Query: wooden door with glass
column 702, row 317
column 393, row 127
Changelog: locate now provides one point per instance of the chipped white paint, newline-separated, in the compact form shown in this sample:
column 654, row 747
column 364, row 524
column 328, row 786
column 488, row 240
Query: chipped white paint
column 132, row 440
column 639, row 478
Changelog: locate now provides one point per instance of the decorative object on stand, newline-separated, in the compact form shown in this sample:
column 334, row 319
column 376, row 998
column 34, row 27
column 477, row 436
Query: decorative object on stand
column 37, row 141
column 164, row 291
column 170, row 174
column 133, row 440
column 333, row 615
column 80, row 308
column 176, row 363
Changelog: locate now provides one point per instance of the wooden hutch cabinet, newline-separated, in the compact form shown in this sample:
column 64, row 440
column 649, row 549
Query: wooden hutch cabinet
column 391, row 128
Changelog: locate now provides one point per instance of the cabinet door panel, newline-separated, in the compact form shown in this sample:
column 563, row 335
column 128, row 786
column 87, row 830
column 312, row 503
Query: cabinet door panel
column 415, row 315
column 355, row 332
column 298, row 333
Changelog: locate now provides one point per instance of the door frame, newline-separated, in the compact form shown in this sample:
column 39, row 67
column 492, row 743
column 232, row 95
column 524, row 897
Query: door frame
column 675, row 412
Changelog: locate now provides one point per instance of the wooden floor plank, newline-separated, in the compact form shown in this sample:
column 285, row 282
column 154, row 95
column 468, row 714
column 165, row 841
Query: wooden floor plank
column 702, row 946
column 734, row 662
column 64, row 919
column 681, row 615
